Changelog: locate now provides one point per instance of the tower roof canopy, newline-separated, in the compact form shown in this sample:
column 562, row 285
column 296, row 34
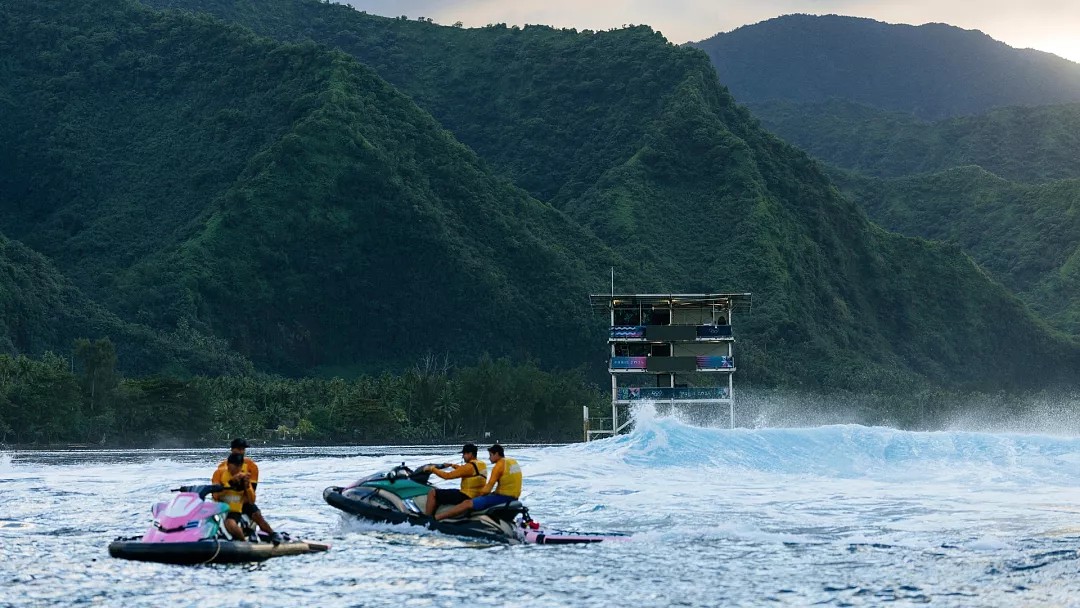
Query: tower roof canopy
column 738, row 302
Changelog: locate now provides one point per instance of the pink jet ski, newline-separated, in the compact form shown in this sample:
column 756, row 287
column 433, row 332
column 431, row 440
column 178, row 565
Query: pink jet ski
column 189, row 529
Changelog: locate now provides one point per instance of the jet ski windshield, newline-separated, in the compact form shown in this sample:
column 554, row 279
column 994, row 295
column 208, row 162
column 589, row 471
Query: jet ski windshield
column 421, row 475
column 373, row 477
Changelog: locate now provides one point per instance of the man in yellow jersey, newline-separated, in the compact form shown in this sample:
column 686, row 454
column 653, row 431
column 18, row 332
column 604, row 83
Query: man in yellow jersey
column 238, row 493
column 471, row 475
column 506, row 473
column 250, row 473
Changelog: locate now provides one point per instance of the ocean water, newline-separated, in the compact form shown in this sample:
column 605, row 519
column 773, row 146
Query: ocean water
column 834, row 515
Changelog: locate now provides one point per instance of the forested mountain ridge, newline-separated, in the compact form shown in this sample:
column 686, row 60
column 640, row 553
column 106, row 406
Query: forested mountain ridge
column 1026, row 235
column 997, row 185
column 1026, row 144
column 834, row 287
column 691, row 190
column 339, row 223
column 550, row 109
column 932, row 71
column 41, row 311
column 372, row 235
column 348, row 227
column 94, row 110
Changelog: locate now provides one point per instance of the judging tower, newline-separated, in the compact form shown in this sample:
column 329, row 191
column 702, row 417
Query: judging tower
column 673, row 349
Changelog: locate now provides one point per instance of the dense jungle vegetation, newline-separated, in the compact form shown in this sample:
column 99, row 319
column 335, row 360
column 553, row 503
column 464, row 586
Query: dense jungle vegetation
column 280, row 197
column 1024, row 144
column 363, row 191
column 84, row 399
column 659, row 147
column 1002, row 186
column 40, row 310
column 1026, row 235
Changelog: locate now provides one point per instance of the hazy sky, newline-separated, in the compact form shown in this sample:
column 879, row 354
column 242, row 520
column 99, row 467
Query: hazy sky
column 1047, row 25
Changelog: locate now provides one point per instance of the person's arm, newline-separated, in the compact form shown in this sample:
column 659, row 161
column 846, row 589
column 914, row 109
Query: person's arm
column 254, row 470
column 459, row 471
column 216, row 479
column 496, row 473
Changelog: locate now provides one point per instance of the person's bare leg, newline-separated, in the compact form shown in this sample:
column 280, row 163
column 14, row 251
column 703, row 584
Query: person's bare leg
column 430, row 506
column 234, row 530
column 258, row 518
column 455, row 510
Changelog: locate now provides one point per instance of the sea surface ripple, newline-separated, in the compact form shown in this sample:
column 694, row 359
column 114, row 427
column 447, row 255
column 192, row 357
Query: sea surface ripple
column 836, row 515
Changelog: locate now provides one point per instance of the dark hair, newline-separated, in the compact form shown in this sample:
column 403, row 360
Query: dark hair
column 237, row 459
column 497, row 449
column 239, row 443
column 469, row 448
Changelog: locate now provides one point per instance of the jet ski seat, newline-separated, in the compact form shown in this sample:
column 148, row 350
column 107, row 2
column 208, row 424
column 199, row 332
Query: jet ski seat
column 505, row 512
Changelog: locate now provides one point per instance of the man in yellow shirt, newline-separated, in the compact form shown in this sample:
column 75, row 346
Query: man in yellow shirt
column 240, row 446
column 238, row 493
column 471, row 475
column 503, row 486
column 249, row 473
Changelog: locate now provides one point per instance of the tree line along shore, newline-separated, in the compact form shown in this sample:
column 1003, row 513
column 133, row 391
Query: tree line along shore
column 84, row 400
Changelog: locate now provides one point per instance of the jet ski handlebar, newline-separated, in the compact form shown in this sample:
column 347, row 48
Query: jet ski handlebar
column 202, row 491
column 399, row 472
column 419, row 475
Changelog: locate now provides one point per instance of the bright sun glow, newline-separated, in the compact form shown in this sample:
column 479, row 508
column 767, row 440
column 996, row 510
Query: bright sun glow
column 1067, row 48
column 1062, row 46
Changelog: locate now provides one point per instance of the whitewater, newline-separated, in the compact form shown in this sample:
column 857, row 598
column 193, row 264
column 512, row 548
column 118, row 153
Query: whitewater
column 834, row 515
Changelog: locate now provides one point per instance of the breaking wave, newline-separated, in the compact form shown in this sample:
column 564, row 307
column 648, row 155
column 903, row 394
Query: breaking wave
column 843, row 451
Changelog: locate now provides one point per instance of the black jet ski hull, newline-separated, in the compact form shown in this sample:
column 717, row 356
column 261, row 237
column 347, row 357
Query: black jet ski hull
column 209, row 551
column 360, row 508
column 483, row 526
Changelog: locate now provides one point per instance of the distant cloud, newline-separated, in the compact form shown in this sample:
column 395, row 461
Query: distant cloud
column 1048, row 25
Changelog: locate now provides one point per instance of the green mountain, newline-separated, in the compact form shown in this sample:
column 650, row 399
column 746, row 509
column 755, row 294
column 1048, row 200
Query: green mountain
column 40, row 310
column 994, row 185
column 1026, row 236
column 293, row 202
column 283, row 197
column 932, row 71
column 120, row 136
column 551, row 110
column 844, row 295
column 636, row 139
column 1027, row 144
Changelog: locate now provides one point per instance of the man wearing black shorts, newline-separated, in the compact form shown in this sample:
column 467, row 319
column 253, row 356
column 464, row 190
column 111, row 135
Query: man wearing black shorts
column 246, row 476
column 472, row 475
